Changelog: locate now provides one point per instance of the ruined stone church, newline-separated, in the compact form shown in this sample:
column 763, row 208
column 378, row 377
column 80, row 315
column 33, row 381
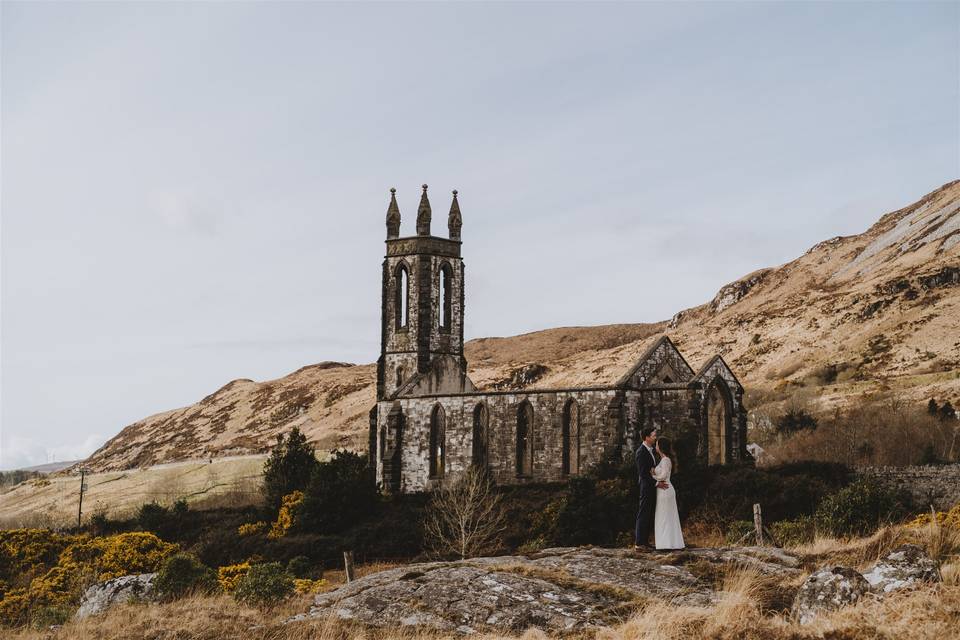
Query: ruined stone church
column 431, row 423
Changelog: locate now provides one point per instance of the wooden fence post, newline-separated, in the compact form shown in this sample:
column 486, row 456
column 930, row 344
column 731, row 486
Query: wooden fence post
column 758, row 524
column 348, row 565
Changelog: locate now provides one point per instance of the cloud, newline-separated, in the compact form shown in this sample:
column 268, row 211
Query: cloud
column 17, row 452
column 184, row 212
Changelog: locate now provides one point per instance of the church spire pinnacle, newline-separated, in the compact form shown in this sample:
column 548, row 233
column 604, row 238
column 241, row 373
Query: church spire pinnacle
column 393, row 216
column 454, row 220
column 424, row 214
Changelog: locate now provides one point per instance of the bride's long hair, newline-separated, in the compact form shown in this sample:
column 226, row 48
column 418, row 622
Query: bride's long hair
column 666, row 448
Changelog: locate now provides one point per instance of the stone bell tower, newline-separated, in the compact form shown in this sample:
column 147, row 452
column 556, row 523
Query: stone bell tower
column 422, row 302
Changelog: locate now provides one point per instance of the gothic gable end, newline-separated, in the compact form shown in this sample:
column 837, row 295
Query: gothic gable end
column 661, row 360
column 717, row 366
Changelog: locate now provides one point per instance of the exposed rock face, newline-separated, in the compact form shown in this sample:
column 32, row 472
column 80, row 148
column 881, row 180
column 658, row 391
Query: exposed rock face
column 557, row 590
column 101, row 596
column 905, row 566
column 734, row 292
column 828, row 590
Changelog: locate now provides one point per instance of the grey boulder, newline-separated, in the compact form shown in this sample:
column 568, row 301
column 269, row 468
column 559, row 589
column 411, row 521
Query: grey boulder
column 905, row 566
column 828, row 589
column 104, row 595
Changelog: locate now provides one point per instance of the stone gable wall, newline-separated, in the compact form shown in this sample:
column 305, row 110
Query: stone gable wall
column 664, row 355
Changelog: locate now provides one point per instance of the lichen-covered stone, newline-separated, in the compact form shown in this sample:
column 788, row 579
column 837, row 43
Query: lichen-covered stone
column 104, row 595
column 827, row 590
column 557, row 590
column 905, row 566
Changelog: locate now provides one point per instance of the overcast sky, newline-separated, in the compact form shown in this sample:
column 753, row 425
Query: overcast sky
column 193, row 193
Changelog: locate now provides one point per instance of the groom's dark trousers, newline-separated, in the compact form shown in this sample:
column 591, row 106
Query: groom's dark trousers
column 648, row 495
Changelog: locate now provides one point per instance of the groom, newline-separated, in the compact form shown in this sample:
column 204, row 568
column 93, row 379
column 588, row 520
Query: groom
column 646, row 459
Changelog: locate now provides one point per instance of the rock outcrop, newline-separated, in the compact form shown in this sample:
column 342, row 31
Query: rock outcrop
column 829, row 589
column 557, row 590
column 104, row 595
column 903, row 567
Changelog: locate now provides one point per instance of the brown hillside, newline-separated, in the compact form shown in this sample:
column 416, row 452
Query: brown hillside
column 853, row 315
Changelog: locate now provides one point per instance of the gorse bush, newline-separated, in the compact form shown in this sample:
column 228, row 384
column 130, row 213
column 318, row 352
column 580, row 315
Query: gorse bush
column 119, row 555
column 289, row 515
column 229, row 577
column 182, row 574
column 45, row 569
column 264, row 585
column 289, row 467
column 860, row 508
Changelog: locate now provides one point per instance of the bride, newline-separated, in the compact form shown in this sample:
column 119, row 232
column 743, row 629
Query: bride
column 666, row 520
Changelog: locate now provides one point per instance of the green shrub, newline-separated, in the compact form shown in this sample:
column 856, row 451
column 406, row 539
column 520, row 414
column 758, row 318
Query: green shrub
column 302, row 567
column 264, row 585
column 860, row 508
column 182, row 574
column 794, row 532
column 737, row 530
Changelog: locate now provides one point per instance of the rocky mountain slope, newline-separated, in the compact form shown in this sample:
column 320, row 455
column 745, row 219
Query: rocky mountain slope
column 853, row 315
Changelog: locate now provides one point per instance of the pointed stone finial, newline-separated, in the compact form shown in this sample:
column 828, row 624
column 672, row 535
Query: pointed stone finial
column 393, row 216
column 424, row 214
column 454, row 220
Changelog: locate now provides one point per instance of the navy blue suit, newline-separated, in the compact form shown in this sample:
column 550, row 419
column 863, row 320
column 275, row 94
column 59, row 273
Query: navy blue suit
column 646, row 461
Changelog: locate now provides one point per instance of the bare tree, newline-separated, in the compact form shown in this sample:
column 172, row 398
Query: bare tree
column 464, row 516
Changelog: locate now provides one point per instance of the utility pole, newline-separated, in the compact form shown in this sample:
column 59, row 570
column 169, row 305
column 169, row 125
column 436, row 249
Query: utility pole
column 83, row 485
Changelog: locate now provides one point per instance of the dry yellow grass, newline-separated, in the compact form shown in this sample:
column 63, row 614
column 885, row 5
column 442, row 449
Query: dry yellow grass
column 930, row 613
column 856, row 552
column 751, row 607
column 52, row 501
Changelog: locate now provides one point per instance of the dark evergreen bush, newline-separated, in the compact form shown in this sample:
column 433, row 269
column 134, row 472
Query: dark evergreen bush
column 303, row 567
column 182, row 574
column 289, row 467
column 341, row 493
column 152, row 516
column 860, row 508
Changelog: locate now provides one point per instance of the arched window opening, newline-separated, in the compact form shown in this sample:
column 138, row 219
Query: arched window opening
column 383, row 441
column 570, row 437
column 525, row 439
column 399, row 377
column 402, row 298
column 480, row 441
column 446, row 305
column 438, row 429
column 718, row 425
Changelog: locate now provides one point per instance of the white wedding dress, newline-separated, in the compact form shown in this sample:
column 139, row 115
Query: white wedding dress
column 666, row 519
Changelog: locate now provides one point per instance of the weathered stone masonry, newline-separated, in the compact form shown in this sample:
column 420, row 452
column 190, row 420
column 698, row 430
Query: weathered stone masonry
column 431, row 423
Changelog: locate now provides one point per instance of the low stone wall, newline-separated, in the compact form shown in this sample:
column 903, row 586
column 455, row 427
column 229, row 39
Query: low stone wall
column 937, row 485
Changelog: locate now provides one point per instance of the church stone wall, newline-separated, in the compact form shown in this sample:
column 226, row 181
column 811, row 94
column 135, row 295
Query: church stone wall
column 599, row 434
